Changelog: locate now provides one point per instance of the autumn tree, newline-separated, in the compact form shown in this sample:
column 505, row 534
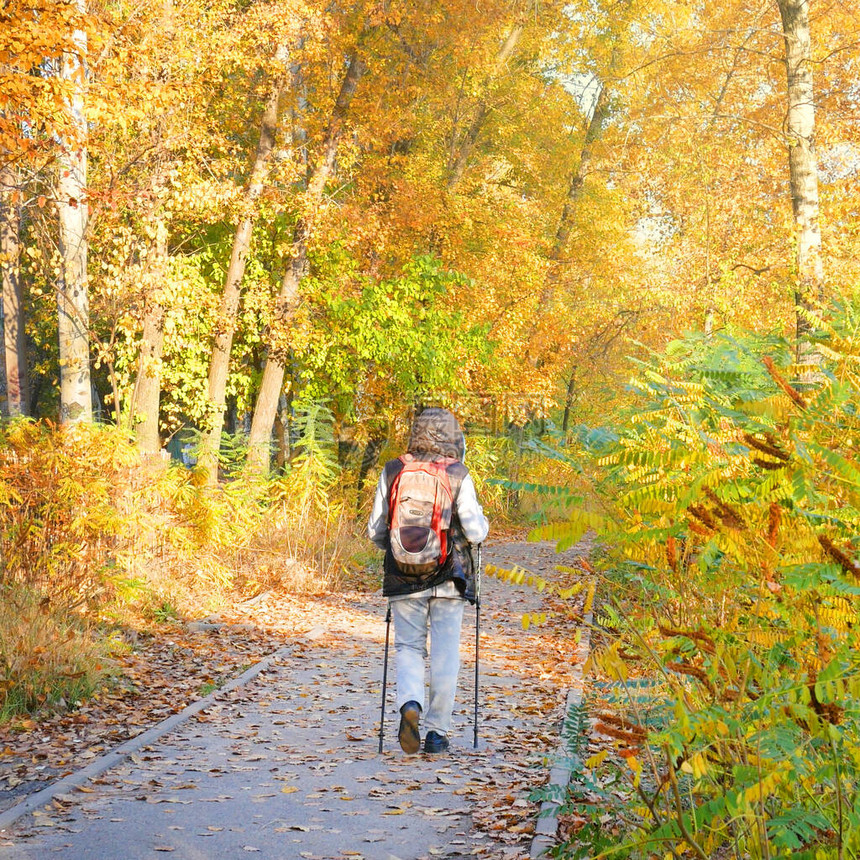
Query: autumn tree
column 587, row 174
column 220, row 361
column 143, row 411
column 699, row 143
column 297, row 263
column 42, row 51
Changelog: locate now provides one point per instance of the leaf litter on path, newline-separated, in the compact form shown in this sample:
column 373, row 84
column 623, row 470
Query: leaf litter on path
column 524, row 678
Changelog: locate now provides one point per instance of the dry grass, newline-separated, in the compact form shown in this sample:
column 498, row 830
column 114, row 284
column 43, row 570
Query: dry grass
column 302, row 546
column 48, row 658
column 89, row 531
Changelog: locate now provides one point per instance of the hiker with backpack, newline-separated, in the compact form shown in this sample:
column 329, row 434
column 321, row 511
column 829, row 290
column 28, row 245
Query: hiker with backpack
column 425, row 515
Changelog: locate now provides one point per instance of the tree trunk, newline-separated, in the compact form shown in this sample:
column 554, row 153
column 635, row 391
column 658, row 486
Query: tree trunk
column 273, row 373
column 369, row 459
column 143, row 416
column 282, row 433
column 592, row 134
column 226, row 326
column 4, row 386
column 146, row 397
column 568, row 401
column 14, row 357
column 566, row 222
column 574, row 194
column 458, row 167
column 73, row 300
column 803, row 165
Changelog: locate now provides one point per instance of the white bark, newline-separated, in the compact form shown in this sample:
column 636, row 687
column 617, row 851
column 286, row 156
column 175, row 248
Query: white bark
column 13, row 361
column 803, row 164
column 73, row 298
column 147, row 389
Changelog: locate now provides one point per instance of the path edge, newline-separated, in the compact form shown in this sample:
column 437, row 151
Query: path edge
column 546, row 826
column 110, row 759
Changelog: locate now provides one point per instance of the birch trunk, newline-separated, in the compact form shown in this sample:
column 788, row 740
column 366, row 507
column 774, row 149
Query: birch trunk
column 273, row 373
column 226, row 326
column 4, row 386
column 13, row 359
column 803, row 165
column 458, row 166
column 599, row 115
column 72, row 207
column 146, row 397
column 145, row 403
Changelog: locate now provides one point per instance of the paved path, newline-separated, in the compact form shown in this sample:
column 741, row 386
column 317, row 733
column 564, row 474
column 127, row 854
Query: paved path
column 287, row 767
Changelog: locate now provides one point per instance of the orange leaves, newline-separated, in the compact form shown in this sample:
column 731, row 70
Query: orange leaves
column 794, row 395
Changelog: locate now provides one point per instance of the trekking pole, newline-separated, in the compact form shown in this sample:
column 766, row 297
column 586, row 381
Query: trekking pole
column 476, row 560
column 384, row 677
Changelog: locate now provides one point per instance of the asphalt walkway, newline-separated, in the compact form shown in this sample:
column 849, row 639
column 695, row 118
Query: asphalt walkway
column 287, row 766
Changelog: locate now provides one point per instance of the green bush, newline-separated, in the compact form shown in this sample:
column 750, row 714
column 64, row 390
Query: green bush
column 728, row 501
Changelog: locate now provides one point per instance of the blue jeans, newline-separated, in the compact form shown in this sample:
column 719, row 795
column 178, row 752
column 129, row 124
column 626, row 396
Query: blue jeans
column 438, row 611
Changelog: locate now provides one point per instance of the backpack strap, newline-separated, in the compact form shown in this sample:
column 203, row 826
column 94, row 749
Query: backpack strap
column 455, row 471
column 392, row 471
column 440, row 468
column 456, row 475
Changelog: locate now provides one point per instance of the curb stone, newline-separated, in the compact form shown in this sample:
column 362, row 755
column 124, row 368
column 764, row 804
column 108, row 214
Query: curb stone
column 133, row 745
column 547, row 821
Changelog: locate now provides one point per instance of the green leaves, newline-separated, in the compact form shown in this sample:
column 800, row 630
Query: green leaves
column 729, row 499
column 401, row 339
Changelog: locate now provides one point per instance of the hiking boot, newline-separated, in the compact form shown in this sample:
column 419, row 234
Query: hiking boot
column 435, row 743
column 410, row 739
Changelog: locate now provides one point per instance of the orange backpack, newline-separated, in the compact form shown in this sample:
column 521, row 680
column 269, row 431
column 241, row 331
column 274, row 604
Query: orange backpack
column 420, row 508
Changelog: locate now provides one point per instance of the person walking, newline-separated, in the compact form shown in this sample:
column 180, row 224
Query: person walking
column 425, row 515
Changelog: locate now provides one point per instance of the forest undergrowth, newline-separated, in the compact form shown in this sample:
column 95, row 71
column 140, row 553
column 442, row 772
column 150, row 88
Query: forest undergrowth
column 99, row 545
column 724, row 712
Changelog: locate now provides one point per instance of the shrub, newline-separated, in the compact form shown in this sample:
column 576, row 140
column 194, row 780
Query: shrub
column 91, row 534
column 527, row 458
column 307, row 527
column 729, row 501
column 62, row 492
